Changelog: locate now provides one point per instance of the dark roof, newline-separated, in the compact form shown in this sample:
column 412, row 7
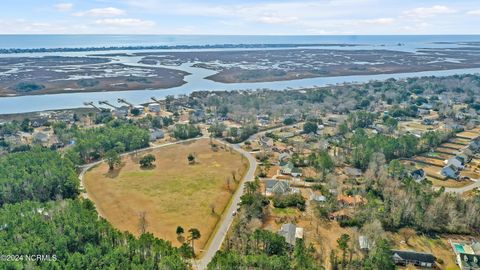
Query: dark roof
column 414, row 256
column 470, row 260
column 418, row 173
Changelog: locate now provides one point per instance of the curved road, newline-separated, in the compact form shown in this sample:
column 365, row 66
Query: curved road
column 460, row 190
column 227, row 217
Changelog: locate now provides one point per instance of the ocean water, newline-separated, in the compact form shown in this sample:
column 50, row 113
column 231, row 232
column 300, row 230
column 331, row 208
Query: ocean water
column 77, row 41
column 196, row 81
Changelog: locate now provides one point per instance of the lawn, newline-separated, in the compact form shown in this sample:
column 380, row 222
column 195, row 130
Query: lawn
column 173, row 193
column 439, row 247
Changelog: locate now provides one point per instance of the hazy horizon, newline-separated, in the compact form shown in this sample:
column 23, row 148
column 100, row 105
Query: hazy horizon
column 219, row 17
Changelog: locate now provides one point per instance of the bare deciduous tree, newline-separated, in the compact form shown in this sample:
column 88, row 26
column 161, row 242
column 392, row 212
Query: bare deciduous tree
column 142, row 222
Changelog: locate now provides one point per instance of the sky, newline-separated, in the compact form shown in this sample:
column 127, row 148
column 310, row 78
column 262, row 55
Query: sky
column 240, row 17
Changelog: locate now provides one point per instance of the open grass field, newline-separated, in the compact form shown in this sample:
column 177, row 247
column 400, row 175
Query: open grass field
column 441, row 155
column 472, row 134
column 446, row 150
column 460, row 141
column 432, row 161
column 173, row 193
column 453, row 145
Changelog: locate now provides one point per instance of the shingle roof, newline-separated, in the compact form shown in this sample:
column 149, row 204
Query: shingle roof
column 288, row 231
column 470, row 260
column 414, row 256
column 276, row 186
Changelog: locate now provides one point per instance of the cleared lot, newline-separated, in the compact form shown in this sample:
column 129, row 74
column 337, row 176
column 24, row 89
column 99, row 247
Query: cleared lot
column 174, row 193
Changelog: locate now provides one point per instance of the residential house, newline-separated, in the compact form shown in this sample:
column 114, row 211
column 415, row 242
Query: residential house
column 463, row 158
column 40, row 138
column 318, row 197
column 13, row 140
column 476, row 247
column 468, row 261
column 474, row 146
column 154, row 107
column 121, row 112
column 199, row 115
column 140, row 108
column 66, row 117
column 455, row 127
column 263, row 120
column 406, row 257
column 291, row 233
column 276, row 187
column 364, row 243
column 467, row 254
column 156, row 134
column 341, row 215
column 423, row 112
column 426, row 106
column 38, row 122
column 455, row 162
column 266, row 141
column 296, row 172
column 450, row 171
column 283, row 158
column 428, row 122
column 290, row 169
column 418, row 175
column 351, row 201
column 353, row 172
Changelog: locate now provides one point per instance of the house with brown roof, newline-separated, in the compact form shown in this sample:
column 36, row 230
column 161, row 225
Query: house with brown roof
column 351, row 201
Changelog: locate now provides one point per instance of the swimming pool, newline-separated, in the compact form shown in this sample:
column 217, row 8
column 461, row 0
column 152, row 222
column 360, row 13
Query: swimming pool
column 459, row 248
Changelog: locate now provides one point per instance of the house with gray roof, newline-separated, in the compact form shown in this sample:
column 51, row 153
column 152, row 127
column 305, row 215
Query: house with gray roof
column 290, row 169
column 276, row 187
column 156, row 134
column 318, row 197
column 474, row 146
column 450, row 171
column 40, row 137
column 291, row 233
column 455, row 162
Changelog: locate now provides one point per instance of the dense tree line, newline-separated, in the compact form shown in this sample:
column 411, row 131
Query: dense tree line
column 289, row 200
column 72, row 231
column 39, row 175
column 379, row 257
column 364, row 146
column 186, row 131
column 37, row 219
column 94, row 143
column 398, row 202
column 236, row 135
column 266, row 250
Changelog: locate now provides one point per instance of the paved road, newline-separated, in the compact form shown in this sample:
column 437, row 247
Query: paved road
column 227, row 219
column 475, row 185
column 216, row 242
